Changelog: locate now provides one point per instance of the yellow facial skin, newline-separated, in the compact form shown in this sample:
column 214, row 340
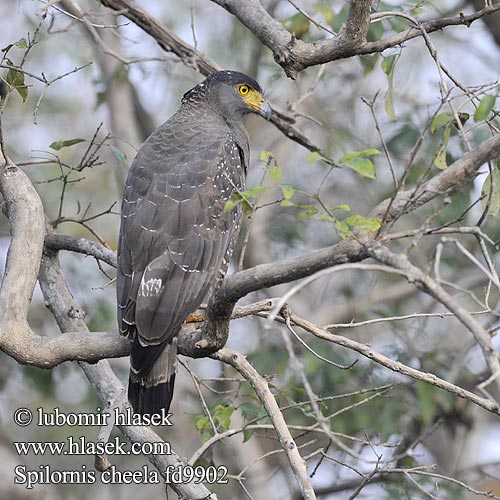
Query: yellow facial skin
column 254, row 100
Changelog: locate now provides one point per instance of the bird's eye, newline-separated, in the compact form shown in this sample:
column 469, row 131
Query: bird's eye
column 243, row 89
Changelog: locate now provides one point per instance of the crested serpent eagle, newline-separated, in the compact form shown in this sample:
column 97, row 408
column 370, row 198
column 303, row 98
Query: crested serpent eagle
column 175, row 237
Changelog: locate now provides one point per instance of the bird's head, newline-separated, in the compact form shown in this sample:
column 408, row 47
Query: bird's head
column 232, row 93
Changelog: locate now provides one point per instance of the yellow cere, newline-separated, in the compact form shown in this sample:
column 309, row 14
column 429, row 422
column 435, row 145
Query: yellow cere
column 251, row 97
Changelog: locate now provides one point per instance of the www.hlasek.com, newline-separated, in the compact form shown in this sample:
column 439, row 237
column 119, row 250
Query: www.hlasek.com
column 45, row 474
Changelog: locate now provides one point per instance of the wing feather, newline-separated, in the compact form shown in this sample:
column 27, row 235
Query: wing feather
column 174, row 233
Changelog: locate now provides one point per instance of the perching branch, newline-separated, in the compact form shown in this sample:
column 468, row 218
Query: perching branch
column 27, row 347
column 107, row 386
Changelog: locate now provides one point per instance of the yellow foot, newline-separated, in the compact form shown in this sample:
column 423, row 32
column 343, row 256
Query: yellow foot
column 195, row 318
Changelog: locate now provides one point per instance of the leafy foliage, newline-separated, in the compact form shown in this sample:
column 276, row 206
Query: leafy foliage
column 221, row 413
column 388, row 64
column 58, row 145
column 485, row 107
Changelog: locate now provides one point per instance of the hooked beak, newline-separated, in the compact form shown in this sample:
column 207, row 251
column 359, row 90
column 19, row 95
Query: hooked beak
column 265, row 110
column 256, row 102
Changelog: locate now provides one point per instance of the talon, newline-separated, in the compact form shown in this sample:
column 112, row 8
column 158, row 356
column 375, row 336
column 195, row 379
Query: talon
column 195, row 318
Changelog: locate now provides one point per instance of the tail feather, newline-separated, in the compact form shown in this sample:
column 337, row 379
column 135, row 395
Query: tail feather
column 150, row 392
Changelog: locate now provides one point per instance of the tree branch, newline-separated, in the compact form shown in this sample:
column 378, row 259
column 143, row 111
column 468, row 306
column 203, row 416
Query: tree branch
column 431, row 287
column 27, row 347
column 261, row 388
column 294, row 55
column 396, row 366
column 447, row 182
column 55, row 242
column 24, row 210
column 166, row 39
column 200, row 62
column 107, row 386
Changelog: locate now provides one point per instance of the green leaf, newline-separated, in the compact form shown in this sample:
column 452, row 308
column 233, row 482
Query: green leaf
column 375, row 32
column 120, row 155
column 101, row 98
column 364, row 223
column 369, row 62
column 389, row 98
column 230, row 204
column 398, row 24
column 287, row 203
column 222, row 414
column 388, row 64
column 363, row 166
column 343, row 229
column 350, row 156
column 288, row 191
column 446, row 135
column 440, row 157
column 250, row 410
column 240, row 199
column 326, row 217
column 247, row 434
column 441, row 120
column 21, row 43
column 485, row 107
column 254, row 192
column 340, row 17
column 266, row 156
column 491, row 196
column 358, row 154
column 342, row 206
column 315, row 156
column 201, row 422
column 309, row 211
column 370, row 152
column 57, row 145
column 274, row 173
column 16, row 79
